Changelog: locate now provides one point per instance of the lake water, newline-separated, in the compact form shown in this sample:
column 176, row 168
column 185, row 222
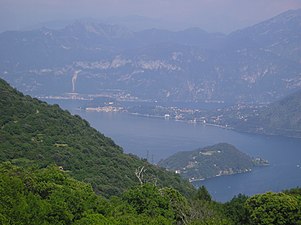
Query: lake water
column 159, row 138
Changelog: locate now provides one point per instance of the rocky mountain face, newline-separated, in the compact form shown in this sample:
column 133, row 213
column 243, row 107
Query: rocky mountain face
column 257, row 64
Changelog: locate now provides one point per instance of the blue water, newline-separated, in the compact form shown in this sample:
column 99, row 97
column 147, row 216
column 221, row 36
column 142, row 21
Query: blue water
column 159, row 138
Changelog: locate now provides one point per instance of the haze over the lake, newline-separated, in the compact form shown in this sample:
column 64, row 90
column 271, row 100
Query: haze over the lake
column 211, row 15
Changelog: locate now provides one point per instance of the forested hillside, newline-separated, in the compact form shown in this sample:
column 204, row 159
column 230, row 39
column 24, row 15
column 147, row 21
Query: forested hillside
column 35, row 132
column 282, row 117
column 43, row 148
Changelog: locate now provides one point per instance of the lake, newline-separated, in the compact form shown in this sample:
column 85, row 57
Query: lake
column 156, row 139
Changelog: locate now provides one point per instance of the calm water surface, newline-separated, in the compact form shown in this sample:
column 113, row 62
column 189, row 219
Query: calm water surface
column 158, row 139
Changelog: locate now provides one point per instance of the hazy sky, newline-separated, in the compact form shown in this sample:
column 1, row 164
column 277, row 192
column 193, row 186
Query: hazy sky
column 211, row 15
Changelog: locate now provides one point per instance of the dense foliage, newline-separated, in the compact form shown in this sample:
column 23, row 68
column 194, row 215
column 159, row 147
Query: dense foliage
column 274, row 208
column 43, row 148
column 34, row 130
column 51, row 196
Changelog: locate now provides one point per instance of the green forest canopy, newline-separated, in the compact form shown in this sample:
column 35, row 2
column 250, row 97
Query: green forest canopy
column 34, row 131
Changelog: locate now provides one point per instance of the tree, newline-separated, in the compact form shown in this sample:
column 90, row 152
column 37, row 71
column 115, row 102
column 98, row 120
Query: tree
column 206, row 211
column 44, row 196
column 178, row 203
column 147, row 199
column 235, row 209
column 95, row 219
column 203, row 194
column 273, row 208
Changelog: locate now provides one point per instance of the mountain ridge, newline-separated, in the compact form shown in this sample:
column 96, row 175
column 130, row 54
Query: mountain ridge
column 168, row 65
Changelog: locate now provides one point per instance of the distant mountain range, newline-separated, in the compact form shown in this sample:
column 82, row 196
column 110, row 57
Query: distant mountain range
column 257, row 64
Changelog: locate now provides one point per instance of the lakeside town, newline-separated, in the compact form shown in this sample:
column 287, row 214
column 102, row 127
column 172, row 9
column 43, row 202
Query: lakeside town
column 220, row 115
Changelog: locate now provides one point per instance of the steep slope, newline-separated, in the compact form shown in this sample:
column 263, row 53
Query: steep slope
column 34, row 130
column 281, row 118
column 279, row 35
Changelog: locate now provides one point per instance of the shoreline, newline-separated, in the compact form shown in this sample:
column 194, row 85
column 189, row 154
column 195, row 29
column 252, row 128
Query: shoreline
column 216, row 176
column 197, row 122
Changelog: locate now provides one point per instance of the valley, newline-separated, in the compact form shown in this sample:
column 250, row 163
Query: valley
column 139, row 116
